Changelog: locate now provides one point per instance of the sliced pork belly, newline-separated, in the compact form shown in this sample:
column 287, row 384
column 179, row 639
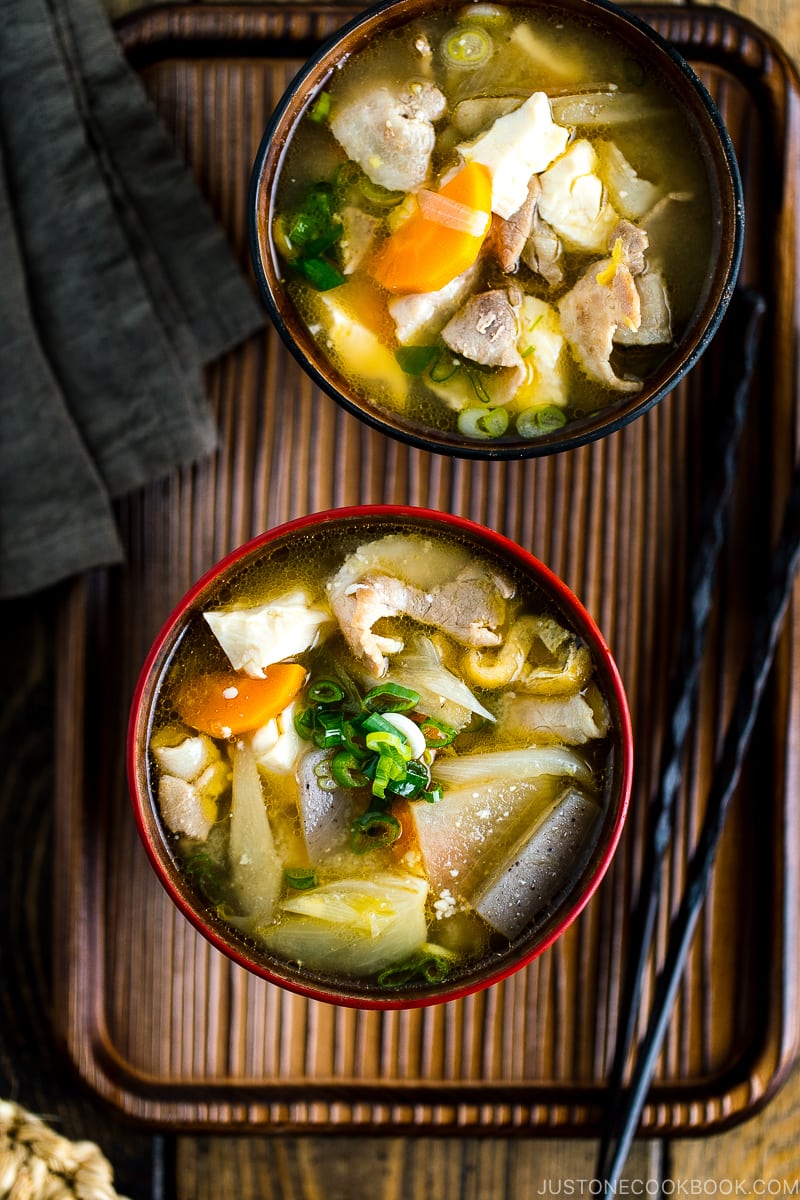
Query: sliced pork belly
column 485, row 330
column 390, row 133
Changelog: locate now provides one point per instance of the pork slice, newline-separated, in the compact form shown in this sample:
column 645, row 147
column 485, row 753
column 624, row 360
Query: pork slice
column 592, row 312
column 507, row 237
column 634, row 242
column 390, row 134
column 469, row 608
column 656, row 326
column 485, row 330
column 543, row 251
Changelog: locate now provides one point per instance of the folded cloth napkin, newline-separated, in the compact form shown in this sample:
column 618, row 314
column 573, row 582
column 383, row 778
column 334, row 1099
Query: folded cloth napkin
column 117, row 288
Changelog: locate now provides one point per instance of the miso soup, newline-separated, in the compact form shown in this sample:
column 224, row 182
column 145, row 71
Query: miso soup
column 495, row 221
column 380, row 756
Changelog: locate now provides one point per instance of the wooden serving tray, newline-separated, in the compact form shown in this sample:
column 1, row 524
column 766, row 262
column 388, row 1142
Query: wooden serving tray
column 166, row 1029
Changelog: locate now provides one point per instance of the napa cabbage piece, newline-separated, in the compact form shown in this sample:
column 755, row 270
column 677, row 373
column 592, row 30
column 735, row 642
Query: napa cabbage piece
column 513, row 765
column 255, row 638
column 541, row 865
column 353, row 926
column 572, row 720
column 422, row 562
column 442, row 694
column 631, row 195
column 255, row 866
column 605, row 108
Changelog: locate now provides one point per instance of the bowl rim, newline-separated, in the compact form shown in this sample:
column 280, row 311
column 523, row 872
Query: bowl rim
column 144, row 806
column 708, row 313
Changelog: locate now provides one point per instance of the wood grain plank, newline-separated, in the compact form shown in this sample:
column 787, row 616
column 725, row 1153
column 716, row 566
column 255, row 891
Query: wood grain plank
column 395, row 1169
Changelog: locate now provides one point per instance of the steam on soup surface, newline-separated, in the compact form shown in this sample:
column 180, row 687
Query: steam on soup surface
column 494, row 221
column 380, row 757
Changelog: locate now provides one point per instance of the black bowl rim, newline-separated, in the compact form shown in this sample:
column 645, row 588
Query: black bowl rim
column 587, row 431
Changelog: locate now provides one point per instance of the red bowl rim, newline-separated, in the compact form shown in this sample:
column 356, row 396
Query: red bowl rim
column 556, row 588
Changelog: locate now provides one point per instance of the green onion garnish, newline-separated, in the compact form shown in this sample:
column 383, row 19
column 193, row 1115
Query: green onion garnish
column 347, row 770
column 437, row 733
column 325, row 691
column 374, row 830
column 444, row 368
column 415, row 360
column 300, row 878
column 319, row 272
column 467, row 46
column 430, row 964
column 546, row 418
column 390, row 697
column 483, row 422
column 321, row 108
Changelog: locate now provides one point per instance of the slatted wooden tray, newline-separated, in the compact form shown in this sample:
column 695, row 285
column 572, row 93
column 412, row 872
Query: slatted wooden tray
column 159, row 1023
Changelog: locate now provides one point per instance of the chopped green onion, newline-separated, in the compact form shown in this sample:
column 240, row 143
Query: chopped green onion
column 315, row 219
column 535, row 422
column 527, row 351
column 328, row 730
column 390, row 697
column 206, row 876
column 304, row 723
column 381, row 196
column 395, row 745
column 300, row 878
column 437, row 733
column 430, row 964
column 374, row 830
column 325, row 691
column 415, row 360
column 346, row 769
column 416, row 780
column 321, row 108
column 444, row 368
column 375, row 723
column 432, row 795
column 389, row 769
column 466, row 46
column 347, row 178
column 319, row 272
column 479, row 387
column 324, row 778
column 483, row 422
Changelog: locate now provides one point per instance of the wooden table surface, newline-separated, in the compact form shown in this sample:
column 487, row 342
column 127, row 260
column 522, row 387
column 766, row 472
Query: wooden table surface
column 760, row 1156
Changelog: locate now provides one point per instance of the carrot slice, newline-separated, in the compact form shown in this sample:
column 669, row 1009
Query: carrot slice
column 423, row 255
column 227, row 703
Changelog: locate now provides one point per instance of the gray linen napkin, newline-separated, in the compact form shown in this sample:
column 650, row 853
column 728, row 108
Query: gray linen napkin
column 130, row 287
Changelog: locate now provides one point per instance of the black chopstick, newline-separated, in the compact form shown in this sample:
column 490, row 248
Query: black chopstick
column 740, row 335
column 752, row 683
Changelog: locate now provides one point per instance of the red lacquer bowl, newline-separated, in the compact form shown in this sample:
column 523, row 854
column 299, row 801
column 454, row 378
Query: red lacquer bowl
column 360, row 524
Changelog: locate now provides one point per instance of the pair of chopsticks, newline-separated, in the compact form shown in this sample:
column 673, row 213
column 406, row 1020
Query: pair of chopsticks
column 626, row 1100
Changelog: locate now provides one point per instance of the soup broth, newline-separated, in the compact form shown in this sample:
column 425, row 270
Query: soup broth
column 494, row 221
column 380, row 757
